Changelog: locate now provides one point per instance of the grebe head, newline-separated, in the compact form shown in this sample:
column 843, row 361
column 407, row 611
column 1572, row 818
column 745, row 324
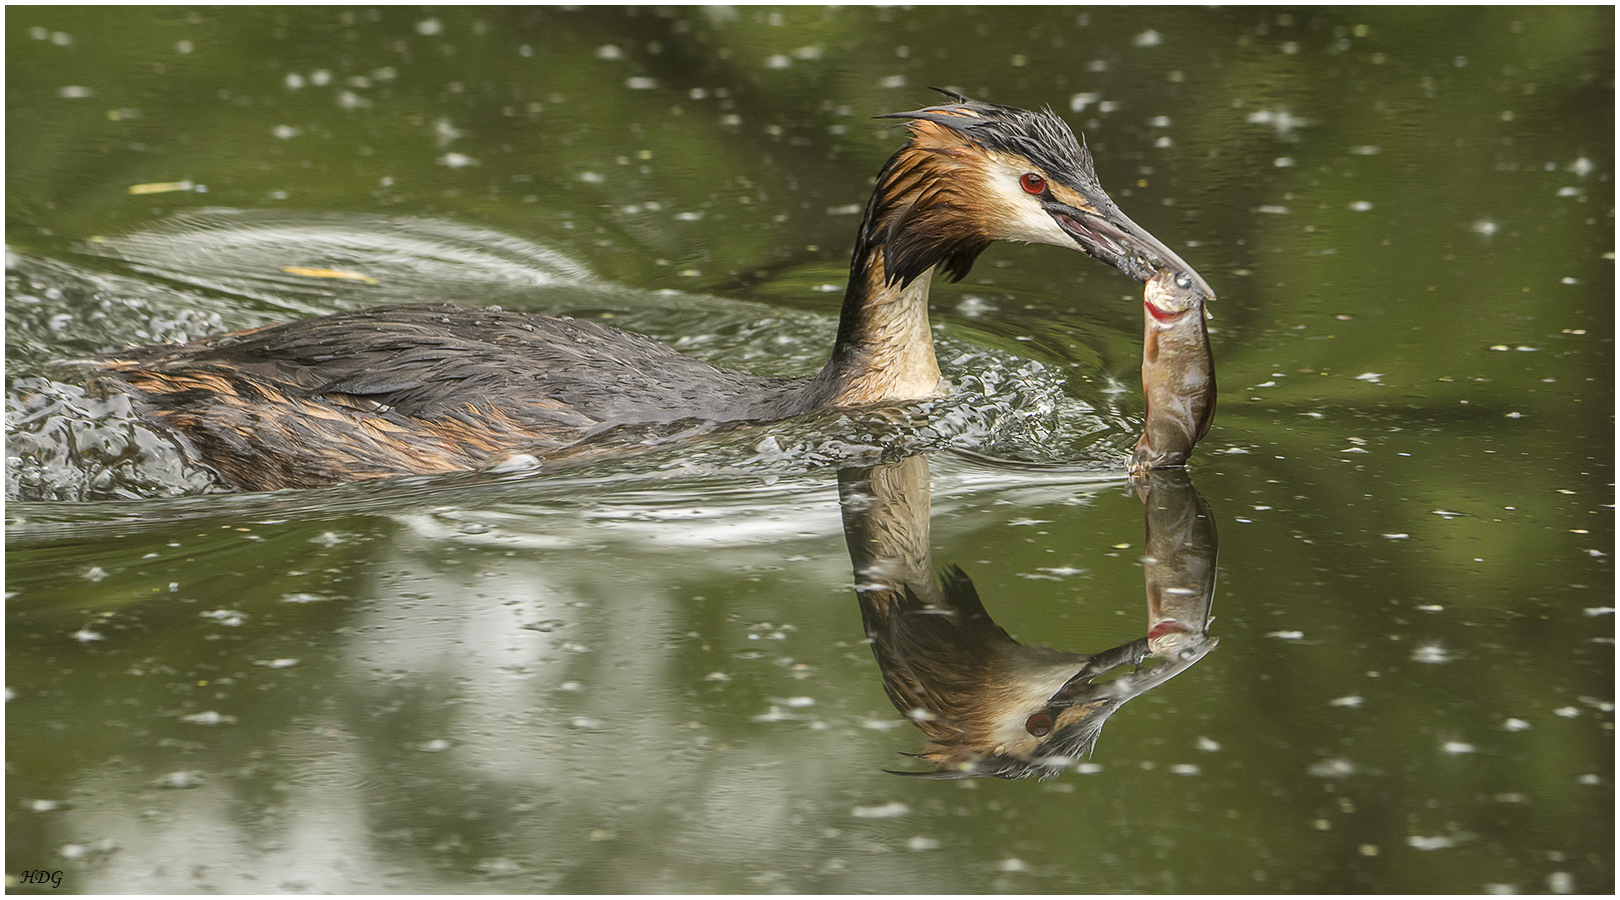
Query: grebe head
column 977, row 172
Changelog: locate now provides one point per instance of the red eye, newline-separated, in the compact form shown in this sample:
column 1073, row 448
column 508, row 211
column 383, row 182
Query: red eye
column 1040, row 724
column 1032, row 183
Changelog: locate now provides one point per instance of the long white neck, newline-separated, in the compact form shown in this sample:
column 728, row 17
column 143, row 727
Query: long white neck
column 885, row 349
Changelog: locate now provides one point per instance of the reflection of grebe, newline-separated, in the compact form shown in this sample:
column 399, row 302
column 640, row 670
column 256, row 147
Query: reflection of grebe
column 441, row 388
column 988, row 704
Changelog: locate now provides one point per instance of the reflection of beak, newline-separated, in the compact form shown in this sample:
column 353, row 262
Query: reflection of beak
column 1123, row 244
column 1083, row 687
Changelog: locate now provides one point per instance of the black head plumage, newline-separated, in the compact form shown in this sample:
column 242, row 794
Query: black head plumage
column 1039, row 136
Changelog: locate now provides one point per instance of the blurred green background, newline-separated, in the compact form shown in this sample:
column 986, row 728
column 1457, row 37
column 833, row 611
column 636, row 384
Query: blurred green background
column 1407, row 213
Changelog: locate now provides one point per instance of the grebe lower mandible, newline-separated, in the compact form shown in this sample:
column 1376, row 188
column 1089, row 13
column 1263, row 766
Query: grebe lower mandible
column 432, row 389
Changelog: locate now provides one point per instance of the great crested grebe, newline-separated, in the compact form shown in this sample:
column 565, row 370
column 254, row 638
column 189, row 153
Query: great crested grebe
column 433, row 389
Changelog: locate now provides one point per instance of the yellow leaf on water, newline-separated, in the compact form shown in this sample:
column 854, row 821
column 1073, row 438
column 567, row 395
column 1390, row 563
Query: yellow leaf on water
column 328, row 273
column 160, row 187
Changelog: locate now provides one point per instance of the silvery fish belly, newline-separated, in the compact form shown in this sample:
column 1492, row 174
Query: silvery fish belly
column 1178, row 372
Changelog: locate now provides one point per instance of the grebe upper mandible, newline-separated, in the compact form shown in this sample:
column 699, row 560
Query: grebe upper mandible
column 431, row 389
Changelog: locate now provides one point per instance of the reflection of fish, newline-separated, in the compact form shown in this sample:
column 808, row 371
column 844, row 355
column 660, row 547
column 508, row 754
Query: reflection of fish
column 1178, row 372
column 988, row 704
column 1178, row 565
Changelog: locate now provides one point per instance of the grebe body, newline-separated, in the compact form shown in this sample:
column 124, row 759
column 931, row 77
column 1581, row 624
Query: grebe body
column 424, row 390
column 433, row 389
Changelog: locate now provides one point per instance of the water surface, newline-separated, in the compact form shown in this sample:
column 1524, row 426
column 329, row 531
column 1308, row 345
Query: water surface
column 649, row 672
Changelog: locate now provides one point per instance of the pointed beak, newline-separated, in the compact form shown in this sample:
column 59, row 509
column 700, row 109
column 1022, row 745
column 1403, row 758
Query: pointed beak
column 1123, row 244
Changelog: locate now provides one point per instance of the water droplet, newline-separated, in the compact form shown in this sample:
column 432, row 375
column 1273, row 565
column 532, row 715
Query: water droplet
column 882, row 811
column 302, row 598
column 208, row 717
column 1013, row 865
column 1332, row 768
column 179, row 780
column 498, row 867
column 1431, row 653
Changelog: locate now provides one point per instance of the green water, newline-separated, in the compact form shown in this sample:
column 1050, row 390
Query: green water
column 650, row 675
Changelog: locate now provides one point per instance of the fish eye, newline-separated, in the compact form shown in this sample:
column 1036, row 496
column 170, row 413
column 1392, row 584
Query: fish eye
column 1183, row 281
column 1039, row 725
column 1032, row 183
